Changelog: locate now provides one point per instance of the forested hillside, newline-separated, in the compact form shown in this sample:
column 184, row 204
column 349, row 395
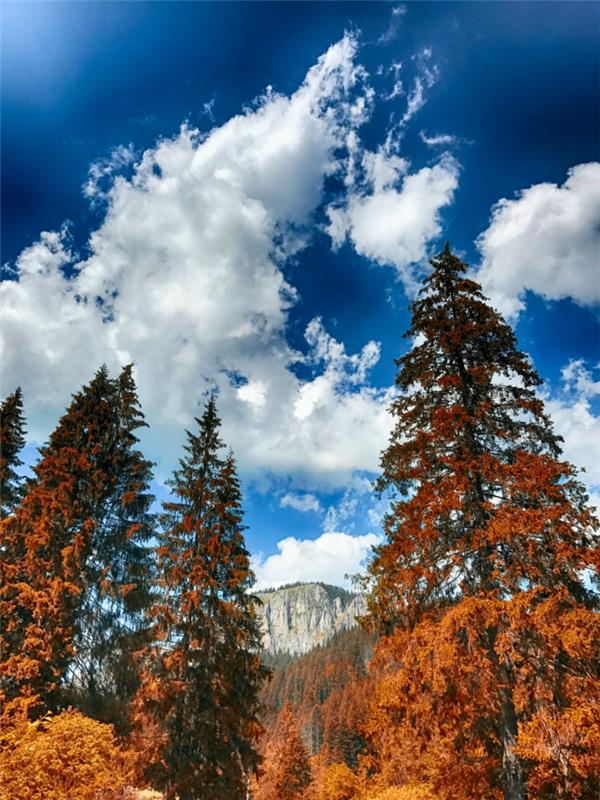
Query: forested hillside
column 131, row 641
column 327, row 690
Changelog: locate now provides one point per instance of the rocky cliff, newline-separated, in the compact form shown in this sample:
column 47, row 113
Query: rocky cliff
column 296, row 618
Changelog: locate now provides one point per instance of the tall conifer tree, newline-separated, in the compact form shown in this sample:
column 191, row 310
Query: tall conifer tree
column 119, row 566
column 199, row 698
column 12, row 441
column 50, row 534
column 77, row 540
column 481, row 584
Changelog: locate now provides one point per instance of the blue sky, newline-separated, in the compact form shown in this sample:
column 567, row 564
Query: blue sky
column 244, row 195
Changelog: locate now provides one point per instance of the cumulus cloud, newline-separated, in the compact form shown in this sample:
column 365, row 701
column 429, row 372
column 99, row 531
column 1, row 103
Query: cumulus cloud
column 574, row 419
column 389, row 213
column 329, row 558
column 395, row 219
column 185, row 277
column 300, row 502
column 545, row 240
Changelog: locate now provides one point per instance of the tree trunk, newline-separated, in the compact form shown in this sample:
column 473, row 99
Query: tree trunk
column 513, row 779
column 513, row 775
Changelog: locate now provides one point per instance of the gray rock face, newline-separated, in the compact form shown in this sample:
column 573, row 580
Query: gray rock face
column 297, row 618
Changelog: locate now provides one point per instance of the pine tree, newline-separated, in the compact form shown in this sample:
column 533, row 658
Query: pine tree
column 481, row 584
column 12, row 441
column 199, row 698
column 73, row 562
column 47, row 540
column 287, row 774
column 119, row 566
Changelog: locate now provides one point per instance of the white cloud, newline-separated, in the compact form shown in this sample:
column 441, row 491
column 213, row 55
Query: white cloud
column 389, row 214
column 184, row 277
column 393, row 28
column 546, row 240
column 397, row 89
column 340, row 371
column 426, row 78
column 208, row 109
column 328, row 558
column 254, row 393
column 394, row 224
column 575, row 421
column 343, row 512
column 438, row 139
column 102, row 171
column 300, row 502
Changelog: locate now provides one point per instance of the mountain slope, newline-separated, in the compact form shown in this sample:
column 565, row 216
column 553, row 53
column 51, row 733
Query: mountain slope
column 296, row 618
column 329, row 690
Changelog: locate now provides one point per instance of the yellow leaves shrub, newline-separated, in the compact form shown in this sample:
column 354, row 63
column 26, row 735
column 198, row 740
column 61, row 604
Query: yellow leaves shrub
column 338, row 783
column 64, row 757
column 413, row 791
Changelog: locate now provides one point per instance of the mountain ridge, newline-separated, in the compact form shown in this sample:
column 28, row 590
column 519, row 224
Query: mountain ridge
column 297, row 617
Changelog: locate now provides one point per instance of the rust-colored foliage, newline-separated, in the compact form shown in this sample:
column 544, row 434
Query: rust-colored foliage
column 493, row 642
column 118, row 577
column 43, row 545
column 329, row 690
column 196, row 725
column 286, row 773
column 65, row 546
column 410, row 791
column 338, row 782
column 440, row 712
column 59, row 757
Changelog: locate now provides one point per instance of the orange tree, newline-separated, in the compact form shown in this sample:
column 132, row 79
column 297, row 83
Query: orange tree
column 118, row 566
column 484, row 586
column 287, row 774
column 74, row 561
column 197, row 705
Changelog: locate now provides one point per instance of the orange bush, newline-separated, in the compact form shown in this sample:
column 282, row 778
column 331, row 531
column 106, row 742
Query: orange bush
column 338, row 783
column 413, row 791
column 64, row 757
